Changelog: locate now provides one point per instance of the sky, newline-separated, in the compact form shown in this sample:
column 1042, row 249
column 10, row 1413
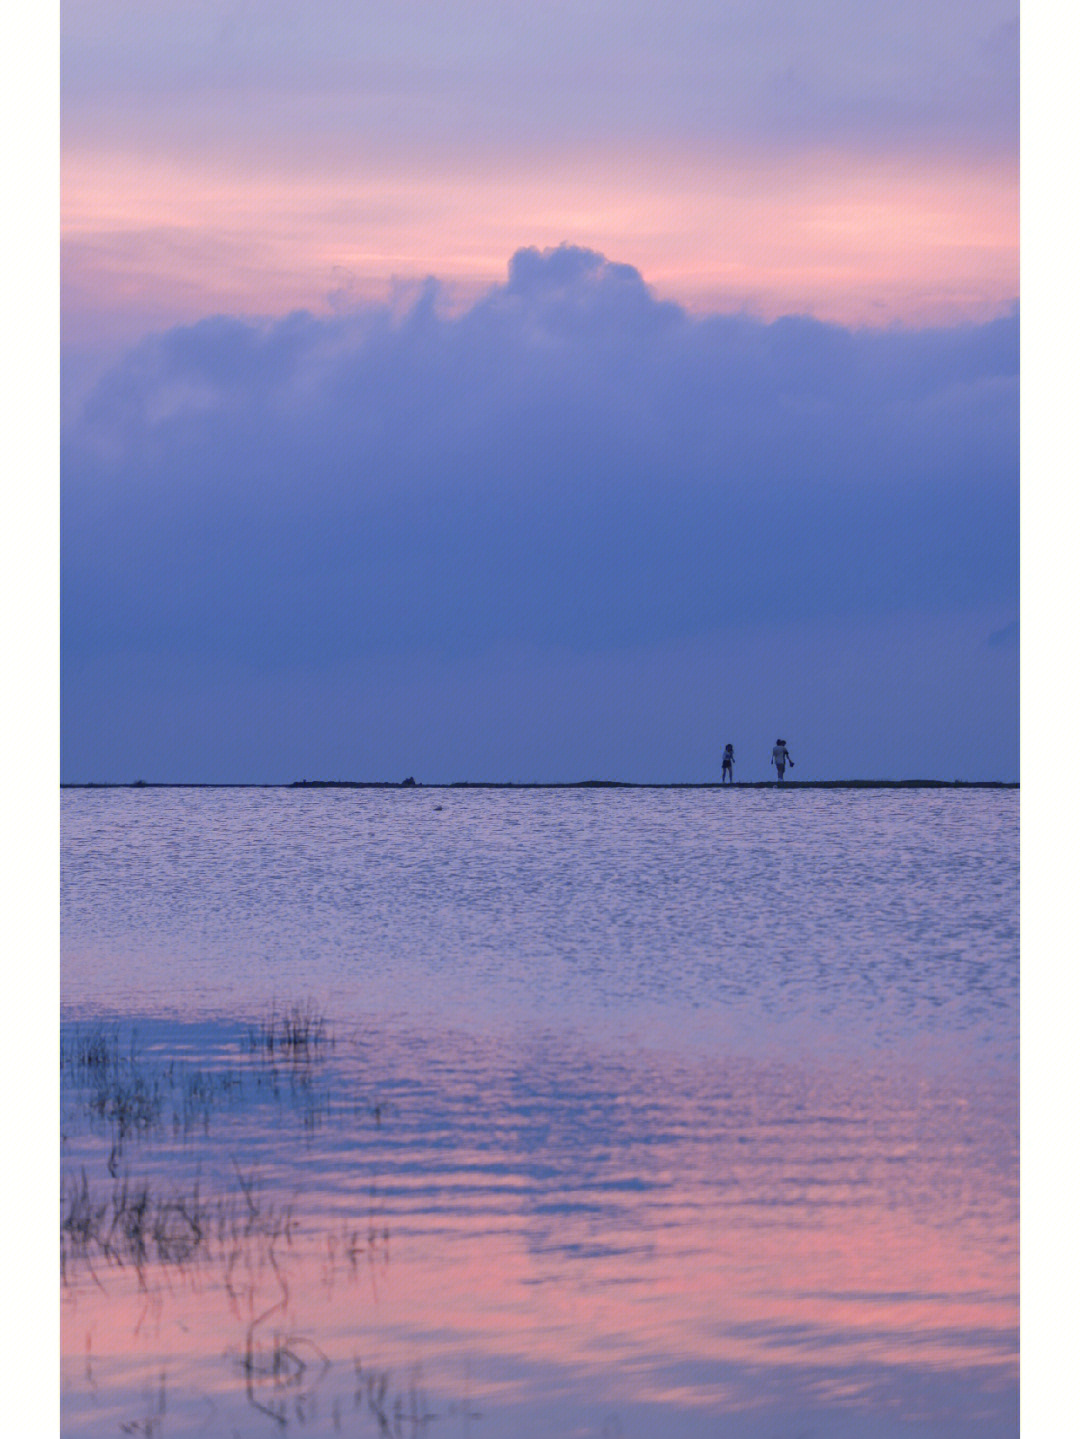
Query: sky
column 501, row 393
column 855, row 162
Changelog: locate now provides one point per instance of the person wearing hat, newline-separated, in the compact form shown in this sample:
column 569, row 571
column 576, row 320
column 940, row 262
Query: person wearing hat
column 727, row 767
column 780, row 759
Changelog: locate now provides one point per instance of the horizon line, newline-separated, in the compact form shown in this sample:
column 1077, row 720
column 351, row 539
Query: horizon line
column 411, row 783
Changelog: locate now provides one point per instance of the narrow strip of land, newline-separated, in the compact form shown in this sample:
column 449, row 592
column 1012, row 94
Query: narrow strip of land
column 559, row 784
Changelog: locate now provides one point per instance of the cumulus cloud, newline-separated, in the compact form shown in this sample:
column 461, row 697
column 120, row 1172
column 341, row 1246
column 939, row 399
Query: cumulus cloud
column 571, row 465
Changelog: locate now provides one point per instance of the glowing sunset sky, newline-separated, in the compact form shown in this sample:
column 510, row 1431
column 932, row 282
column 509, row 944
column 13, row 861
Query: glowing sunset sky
column 855, row 163
column 719, row 363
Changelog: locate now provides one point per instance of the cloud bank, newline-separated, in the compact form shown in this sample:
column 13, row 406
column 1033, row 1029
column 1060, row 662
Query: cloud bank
column 570, row 473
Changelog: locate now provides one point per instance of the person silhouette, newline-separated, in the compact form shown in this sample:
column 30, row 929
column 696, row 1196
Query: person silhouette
column 728, row 765
column 780, row 759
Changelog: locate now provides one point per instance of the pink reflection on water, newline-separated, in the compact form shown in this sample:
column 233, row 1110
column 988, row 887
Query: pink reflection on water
column 554, row 1228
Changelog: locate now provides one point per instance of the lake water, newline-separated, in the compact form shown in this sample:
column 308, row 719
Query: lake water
column 651, row 1113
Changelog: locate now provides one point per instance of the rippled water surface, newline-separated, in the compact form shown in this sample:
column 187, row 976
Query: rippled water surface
column 553, row 1112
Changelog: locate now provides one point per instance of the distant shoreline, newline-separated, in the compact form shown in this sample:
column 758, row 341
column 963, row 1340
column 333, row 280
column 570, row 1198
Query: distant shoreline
column 557, row 784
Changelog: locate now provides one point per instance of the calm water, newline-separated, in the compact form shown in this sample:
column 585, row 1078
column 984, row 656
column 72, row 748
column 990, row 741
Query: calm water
column 509, row 1113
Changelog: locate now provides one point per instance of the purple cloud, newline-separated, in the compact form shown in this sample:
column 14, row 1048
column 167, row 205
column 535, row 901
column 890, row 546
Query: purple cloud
column 571, row 467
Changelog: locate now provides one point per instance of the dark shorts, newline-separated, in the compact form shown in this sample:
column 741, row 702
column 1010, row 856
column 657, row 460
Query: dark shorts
column 780, row 771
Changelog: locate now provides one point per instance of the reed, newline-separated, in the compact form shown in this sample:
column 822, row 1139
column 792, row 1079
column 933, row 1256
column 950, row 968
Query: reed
column 299, row 1033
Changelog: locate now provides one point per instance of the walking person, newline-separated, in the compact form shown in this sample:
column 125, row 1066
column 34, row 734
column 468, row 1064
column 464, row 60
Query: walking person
column 781, row 759
column 728, row 766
